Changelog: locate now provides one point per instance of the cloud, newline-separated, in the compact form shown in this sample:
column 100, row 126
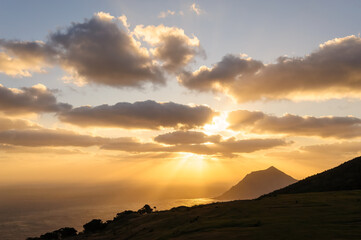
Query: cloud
column 196, row 9
column 172, row 46
column 227, row 148
column 221, row 76
column 186, row 137
column 8, row 124
column 143, row 115
column 40, row 137
column 331, row 71
column 142, row 157
column 133, row 146
column 166, row 14
column 124, row 21
column 95, row 51
column 258, row 122
column 35, row 99
column 98, row 51
column 21, row 59
column 231, row 146
column 11, row 149
column 46, row 137
column 353, row 148
column 104, row 16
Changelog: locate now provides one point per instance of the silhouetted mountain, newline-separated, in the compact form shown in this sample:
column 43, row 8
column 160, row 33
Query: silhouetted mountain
column 347, row 176
column 258, row 183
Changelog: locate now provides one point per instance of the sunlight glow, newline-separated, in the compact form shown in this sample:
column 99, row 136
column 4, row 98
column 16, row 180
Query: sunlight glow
column 193, row 162
column 218, row 124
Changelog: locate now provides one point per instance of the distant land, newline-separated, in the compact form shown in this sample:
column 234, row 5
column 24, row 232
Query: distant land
column 258, row 183
column 328, row 208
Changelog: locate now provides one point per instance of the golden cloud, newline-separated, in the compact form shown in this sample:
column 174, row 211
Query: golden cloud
column 333, row 70
column 35, row 99
column 259, row 122
column 142, row 115
column 186, row 137
column 172, row 46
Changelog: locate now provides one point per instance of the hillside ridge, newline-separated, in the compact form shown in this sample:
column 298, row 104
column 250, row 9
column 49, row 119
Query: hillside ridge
column 346, row 176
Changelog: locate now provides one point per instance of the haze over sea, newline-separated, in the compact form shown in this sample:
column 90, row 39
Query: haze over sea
column 29, row 221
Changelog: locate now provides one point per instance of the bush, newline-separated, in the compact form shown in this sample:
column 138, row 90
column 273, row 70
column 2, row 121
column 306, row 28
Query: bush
column 50, row 236
column 126, row 212
column 57, row 234
column 94, row 225
column 145, row 209
column 67, row 232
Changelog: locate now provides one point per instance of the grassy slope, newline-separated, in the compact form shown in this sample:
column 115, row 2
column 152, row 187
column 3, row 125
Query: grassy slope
column 346, row 176
column 327, row 215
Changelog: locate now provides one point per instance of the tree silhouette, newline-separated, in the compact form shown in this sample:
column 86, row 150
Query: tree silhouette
column 57, row 234
column 146, row 209
column 94, row 225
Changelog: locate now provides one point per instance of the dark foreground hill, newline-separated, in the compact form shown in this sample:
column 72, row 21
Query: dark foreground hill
column 346, row 176
column 258, row 183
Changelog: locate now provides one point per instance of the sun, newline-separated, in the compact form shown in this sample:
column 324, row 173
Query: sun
column 219, row 124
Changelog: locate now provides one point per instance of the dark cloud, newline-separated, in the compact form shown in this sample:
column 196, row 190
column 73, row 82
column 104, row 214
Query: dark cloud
column 258, row 122
column 227, row 148
column 340, row 147
column 96, row 51
column 143, row 115
column 186, row 137
column 20, row 58
column 172, row 46
column 221, row 75
column 101, row 52
column 29, row 51
column 334, row 70
column 231, row 146
column 133, row 145
column 46, row 137
column 41, row 137
column 35, row 99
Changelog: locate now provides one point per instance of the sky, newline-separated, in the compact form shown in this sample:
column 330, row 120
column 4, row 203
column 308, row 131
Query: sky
column 176, row 93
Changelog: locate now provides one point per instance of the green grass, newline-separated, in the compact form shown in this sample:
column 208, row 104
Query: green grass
column 327, row 215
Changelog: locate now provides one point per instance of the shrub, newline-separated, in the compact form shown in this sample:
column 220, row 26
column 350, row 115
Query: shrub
column 145, row 209
column 67, row 232
column 57, row 234
column 94, row 225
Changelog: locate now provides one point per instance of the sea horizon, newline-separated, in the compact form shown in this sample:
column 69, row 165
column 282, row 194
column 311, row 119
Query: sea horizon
column 32, row 223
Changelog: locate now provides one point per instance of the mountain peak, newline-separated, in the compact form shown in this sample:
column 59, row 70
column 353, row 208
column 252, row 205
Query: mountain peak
column 272, row 168
column 258, row 183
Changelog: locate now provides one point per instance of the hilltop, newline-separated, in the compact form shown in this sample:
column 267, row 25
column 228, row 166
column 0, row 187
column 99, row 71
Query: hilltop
column 346, row 176
column 258, row 183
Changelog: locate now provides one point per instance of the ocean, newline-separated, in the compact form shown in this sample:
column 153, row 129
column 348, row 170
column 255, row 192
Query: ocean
column 18, row 223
